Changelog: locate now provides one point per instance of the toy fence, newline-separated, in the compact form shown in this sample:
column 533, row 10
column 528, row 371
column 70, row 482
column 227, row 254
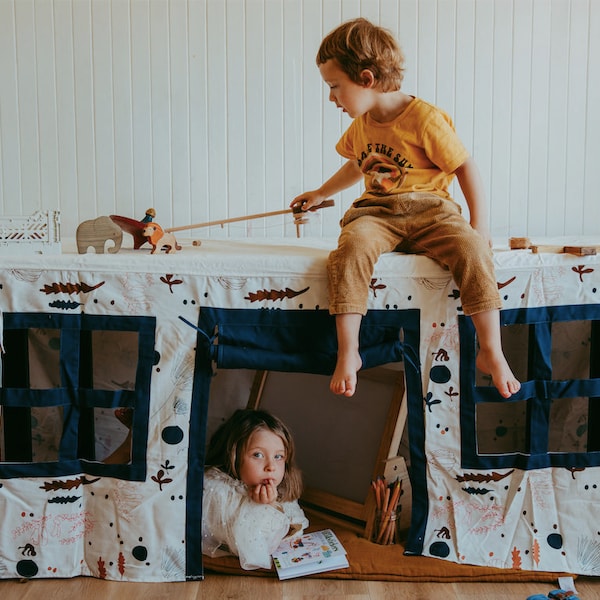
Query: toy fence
column 38, row 233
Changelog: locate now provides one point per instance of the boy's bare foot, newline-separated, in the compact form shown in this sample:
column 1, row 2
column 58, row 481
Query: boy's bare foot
column 343, row 380
column 502, row 376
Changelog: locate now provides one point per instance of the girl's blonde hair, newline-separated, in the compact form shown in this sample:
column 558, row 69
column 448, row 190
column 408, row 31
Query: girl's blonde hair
column 228, row 444
column 358, row 45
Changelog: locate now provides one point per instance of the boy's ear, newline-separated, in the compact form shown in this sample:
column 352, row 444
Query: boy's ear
column 367, row 78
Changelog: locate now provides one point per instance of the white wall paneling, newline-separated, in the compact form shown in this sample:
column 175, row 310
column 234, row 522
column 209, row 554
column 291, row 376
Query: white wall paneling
column 208, row 109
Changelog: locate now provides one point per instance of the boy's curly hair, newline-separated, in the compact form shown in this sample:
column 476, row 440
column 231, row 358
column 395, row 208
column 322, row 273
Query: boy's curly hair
column 358, row 45
column 228, row 444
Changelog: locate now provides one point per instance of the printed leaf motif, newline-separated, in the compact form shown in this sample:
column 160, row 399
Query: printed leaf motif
column 379, row 286
column 161, row 479
column 66, row 304
column 101, row 568
column 451, row 392
column 70, row 288
column 168, row 279
column 121, row 563
column 429, row 402
column 516, row 558
column 505, row 283
column 476, row 491
column 441, row 354
column 535, row 552
column 64, row 500
column 232, row 283
column 581, row 271
column 51, row 486
column 483, row 477
column 274, row 294
column 588, row 551
column 28, row 275
column 28, row 550
column 574, row 470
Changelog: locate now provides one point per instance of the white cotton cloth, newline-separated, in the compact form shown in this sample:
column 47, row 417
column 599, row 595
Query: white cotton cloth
column 233, row 523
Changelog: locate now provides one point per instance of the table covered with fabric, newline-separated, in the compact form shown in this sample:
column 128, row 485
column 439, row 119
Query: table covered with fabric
column 106, row 375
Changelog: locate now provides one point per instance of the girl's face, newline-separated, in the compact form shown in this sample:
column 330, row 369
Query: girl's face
column 263, row 461
column 351, row 97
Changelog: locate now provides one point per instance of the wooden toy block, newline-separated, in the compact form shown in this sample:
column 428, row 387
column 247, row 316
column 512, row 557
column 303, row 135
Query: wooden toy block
column 582, row 250
column 552, row 248
column 524, row 243
column 519, row 243
column 557, row 249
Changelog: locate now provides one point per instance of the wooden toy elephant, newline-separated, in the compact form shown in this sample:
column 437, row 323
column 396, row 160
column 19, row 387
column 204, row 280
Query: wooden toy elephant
column 96, row 232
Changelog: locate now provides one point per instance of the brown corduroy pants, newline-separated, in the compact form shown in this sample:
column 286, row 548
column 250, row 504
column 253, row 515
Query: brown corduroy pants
column 415, row 223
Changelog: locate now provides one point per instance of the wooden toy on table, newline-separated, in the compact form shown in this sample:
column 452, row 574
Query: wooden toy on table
column 134, row 227
column 137, row 228
column 96, row 232
column 38, row 233
column 299, row 218
column 524, row 243
column 160, row 238
column 147, row 231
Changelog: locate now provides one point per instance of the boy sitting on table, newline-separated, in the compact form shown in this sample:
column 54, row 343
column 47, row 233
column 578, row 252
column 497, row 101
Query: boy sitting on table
column 407, row 152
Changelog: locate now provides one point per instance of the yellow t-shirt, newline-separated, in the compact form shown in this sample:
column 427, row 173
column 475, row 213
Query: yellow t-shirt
column 416, row 152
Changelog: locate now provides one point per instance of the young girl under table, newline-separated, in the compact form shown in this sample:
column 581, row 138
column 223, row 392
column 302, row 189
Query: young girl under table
column 251, row 489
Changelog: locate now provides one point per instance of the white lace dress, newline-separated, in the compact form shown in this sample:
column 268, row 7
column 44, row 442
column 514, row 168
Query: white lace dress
column 232, row 523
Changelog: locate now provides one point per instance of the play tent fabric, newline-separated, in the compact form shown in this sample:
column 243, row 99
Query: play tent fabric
column 501, row 483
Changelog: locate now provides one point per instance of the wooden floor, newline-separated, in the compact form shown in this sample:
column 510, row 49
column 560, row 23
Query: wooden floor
column 257, row 588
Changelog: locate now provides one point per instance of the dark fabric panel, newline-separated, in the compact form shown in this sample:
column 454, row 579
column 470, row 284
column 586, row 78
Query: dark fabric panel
column 196, row 452
column 75, row 395
column 297, row 341
column 539, row 391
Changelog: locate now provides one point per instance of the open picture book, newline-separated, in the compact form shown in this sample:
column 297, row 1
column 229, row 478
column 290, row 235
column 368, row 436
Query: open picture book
column 310, row 553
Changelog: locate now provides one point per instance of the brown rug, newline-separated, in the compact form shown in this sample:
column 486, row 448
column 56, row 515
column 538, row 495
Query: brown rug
column 373, row 562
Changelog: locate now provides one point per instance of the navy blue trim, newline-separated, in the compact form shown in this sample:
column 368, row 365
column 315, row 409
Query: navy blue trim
column 416, row 440
column 203, row 373
column 73, row 398
column 549, row 314
column 538, row 391
column 300, row 341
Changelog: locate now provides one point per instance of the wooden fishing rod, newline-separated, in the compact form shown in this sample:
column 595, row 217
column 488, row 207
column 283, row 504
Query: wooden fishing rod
column 296, row 211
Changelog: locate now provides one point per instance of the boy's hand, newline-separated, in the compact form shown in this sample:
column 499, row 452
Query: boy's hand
column 264, row 493
column 308, row 200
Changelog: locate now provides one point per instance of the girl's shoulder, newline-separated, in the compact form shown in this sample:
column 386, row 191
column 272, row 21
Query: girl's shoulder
column 214, row 476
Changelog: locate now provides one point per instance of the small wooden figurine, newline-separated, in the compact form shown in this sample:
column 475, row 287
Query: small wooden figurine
column 134, row 227
column 159, row 238
column 149, row 216
column 96, row 232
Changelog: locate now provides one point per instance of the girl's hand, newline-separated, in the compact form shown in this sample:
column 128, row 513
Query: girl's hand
column 264, row 493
